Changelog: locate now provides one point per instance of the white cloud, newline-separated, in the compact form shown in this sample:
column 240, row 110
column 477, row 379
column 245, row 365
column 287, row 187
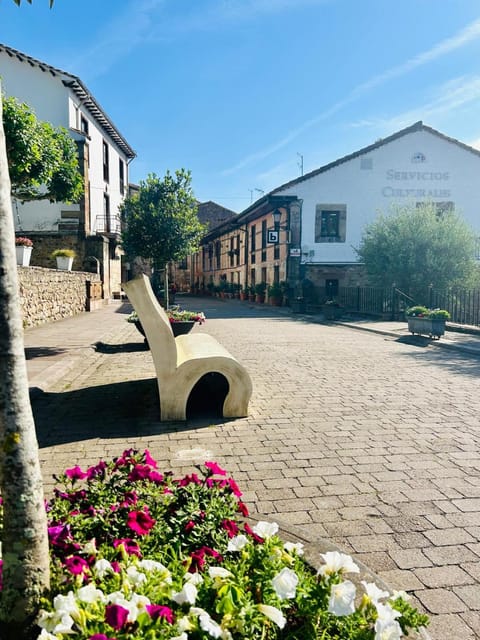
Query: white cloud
column 470, row 33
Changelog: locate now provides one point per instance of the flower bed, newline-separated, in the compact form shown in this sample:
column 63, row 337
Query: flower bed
column 137, row 554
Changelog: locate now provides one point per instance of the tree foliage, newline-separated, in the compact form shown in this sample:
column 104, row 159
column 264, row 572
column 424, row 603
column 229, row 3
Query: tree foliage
column 42, row 159
column 415, row 247
column 160, row 221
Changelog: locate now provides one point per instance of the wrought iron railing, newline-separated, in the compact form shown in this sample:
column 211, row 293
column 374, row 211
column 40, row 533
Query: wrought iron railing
column 108, row 224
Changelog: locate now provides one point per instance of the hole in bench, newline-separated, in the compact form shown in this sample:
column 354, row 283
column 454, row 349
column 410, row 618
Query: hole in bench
column 207, row 396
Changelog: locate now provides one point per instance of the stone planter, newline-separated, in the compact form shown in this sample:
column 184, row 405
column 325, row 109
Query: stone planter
column 432, row 327
column 64, row 263
column 178, row 328
column 23, row 255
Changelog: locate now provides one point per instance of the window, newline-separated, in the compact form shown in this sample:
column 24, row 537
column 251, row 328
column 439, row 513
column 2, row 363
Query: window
column 121, row 173
column 231, row 252
column 264, row 240
column 253, row 233
column 106, row 211
column 252, row 277
column 330, row 222
column 218, row 253
column 84, row 125
column 106, row 168
column 237, row 250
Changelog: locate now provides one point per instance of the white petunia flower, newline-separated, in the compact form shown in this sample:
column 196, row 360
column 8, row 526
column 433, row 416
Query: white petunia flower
column 294, row 547
column 285, row 584
column 135, row 576
column 45, row 635
column 90, row 594
column 219, row 572
column 182, row 636
column 392, row 631
column 102, row 567
column 66, row 604
column 386, row 614
column 373, row 592
column 152, row 565
column 187, row 595
column 265, row 529
column 237, row 543
column 193, row 578
column 336, row 562
column 210, row 626
column 273, row 614
column 401, row 594
column 90, row 547
column 342, row 598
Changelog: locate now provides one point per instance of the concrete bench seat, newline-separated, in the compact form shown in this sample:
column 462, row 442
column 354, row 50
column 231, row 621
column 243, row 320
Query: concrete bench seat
column 181, row 362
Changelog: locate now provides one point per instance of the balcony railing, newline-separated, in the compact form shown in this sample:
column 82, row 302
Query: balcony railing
column 108, row 225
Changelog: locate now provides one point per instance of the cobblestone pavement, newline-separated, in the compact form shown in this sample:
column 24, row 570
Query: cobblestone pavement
column 368, row 439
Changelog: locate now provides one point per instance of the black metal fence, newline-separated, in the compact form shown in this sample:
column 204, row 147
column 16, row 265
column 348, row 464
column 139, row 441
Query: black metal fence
column 463, row 304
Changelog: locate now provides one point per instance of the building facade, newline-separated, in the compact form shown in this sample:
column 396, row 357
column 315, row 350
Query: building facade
column 92, row 226
column 324, row 212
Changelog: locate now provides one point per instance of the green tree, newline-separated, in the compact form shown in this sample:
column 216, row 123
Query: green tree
column 42, row 159
column 160, row 221
column 414, row 247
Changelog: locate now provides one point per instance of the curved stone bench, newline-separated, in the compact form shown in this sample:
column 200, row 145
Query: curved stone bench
column 181, row 362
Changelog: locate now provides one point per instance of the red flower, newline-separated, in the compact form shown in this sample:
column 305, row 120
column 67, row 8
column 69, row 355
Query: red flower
column 156, row 611
column 243, row 509
column 116, row 616
column 230, row 527
column 234, row 487
column 100, row 636
column 189, row 526
column 191, row 479
column 198, row 558
column 140, row 522
column 149, row 460
column 248, row 530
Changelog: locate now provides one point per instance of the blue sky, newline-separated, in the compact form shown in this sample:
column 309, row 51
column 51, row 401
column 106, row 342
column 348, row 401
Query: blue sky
column 238, row 90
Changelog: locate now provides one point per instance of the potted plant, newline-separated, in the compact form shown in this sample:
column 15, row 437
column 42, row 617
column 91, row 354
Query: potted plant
column 244, row 293
column 332, row 310
column 424, row 321
column 275, row 294
column 23, row 249
column 260, row 289
column 251, row 293
column 181, row 321
column 64, row 258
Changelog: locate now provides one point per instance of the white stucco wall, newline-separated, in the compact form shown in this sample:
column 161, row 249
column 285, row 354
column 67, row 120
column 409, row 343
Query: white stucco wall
column 449, row 173
column 55, row 103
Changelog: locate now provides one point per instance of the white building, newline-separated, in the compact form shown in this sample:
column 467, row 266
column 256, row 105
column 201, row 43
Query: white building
column 416, row 164
column 63, row 100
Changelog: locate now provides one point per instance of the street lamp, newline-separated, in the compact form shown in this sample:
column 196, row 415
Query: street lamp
column 277, row 216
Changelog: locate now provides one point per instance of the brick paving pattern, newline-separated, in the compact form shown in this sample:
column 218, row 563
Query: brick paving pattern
column 368, row 440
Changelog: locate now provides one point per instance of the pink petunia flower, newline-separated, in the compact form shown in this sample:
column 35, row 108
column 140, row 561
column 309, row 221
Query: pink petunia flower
column 156, row 611
column 75, row 473
column 131, row 546
column 116, row 616
column 189, row 526
column 97, row 470
column 100, row 636
column 189, row 479
column 140, row 522
column 76, row 565
column 214, row 468
column 149, row 460
column 248, row 530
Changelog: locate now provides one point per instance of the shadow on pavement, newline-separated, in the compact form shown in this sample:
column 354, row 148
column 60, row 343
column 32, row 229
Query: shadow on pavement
column 42, row 352
column 127, row 347
column 122, row 409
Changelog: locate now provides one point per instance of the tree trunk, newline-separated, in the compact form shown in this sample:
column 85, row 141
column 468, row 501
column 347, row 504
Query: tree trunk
column 24, row 537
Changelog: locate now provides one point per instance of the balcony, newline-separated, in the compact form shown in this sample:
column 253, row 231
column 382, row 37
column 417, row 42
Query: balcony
column 109, row 226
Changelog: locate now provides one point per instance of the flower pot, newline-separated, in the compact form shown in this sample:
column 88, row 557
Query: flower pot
column 182, row 327
column 64, row 263
column 432, row 327
column 23, row 255
column 259, row 298
column 275, row 301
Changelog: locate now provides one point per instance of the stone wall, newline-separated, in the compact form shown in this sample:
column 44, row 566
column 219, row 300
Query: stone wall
column 49, row 294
